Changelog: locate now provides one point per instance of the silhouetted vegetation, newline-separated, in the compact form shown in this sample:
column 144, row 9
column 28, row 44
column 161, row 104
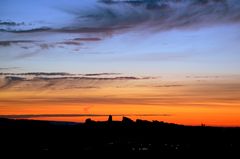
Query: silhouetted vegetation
column 117, row 138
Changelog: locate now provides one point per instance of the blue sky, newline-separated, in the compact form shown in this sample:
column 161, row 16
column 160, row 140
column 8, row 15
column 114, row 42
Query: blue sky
column 130, row 39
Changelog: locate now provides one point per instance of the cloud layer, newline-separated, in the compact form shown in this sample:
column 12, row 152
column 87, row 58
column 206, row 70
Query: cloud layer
column 10, row 42
column 112, row 15
column 61, row 80
column 26, row 116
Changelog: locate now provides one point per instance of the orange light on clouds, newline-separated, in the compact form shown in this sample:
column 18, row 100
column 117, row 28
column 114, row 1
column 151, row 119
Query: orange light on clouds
column 189, row 103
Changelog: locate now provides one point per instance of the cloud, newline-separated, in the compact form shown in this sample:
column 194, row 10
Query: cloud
column 9, row 68
column 163, row 15
column 101, row 74
column 32, row 51
column 61, row 80
column 14, row 78
column 11, row 81
column 70, row 43
column 78, row 41
column 32, row 30
column 27, row 45
column 10, row 42
column 108, row 16
column 38, row 74
column 87, row 39
column 46, row 46
column 93, row 91
column 10, row 23
column 32, row 47
column 88, row 75
column 26, row 116
column 64, row 75
column 91, row 78
column 68, row 29
column 90, row 29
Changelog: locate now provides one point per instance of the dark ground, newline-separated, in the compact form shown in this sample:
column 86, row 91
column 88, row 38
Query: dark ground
column 115, row 139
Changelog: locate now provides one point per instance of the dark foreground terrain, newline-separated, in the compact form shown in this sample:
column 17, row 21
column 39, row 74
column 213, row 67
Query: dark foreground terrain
column 114, row 139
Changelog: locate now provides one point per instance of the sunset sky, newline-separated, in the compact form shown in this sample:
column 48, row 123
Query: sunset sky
column 171, row 60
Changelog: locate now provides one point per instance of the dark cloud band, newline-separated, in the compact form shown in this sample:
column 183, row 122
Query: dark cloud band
column 164, row 14
column 106, row 16
column 73, row 115
column 10, row 42
column 9, row 68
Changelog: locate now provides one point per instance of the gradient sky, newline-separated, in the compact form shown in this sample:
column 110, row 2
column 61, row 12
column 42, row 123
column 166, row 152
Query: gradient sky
column 171, row 60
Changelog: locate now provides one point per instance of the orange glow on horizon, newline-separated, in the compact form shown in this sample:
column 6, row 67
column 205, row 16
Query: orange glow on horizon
column 213, row 104
column 187, row 115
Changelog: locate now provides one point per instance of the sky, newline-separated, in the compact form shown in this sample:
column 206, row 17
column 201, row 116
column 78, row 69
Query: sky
column 170, row 60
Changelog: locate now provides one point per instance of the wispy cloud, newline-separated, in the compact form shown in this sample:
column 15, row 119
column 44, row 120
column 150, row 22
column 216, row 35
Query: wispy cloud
column 56, row 80
column 32, row 47
column 26, row 116
column 169, row 85
column 77, row 43
column 101, row 74
column 38, row 74
column 46, row 46
column 11, row 81
column 107, row 16
column 10, row 42
column 54, row 73
column 92, row 78
column 10, row 23
column 161, row 15
column 91, row 29
column 87, row 39
column 14, row 78
column 9, row 68
column 32, row 30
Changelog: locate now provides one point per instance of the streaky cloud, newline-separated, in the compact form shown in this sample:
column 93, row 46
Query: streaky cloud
column 10, row 42
column 39, row 74
column 91, row 29
column 21, row 116
column 10, row 23
column 101, row 74
column 165, row 14
column 109, row 16
column 87, row 39
column 70, row 43
column 9, row 68
column 61, row 80
column 90, row 78
column 33, row 30
column 14, row 78
column 45, row 46
column 11, row 81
